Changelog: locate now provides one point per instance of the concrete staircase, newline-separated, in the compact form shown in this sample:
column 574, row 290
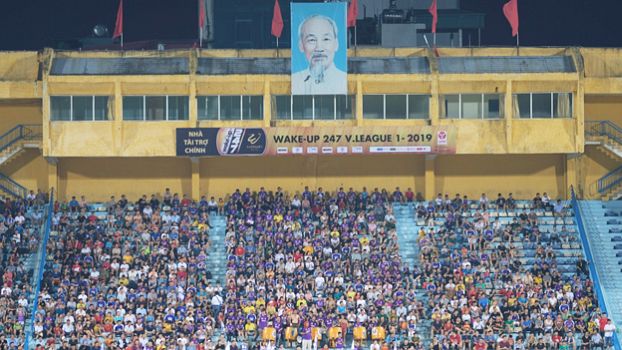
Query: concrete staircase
column 604, row 234
column 407, row 232
column 217, row 257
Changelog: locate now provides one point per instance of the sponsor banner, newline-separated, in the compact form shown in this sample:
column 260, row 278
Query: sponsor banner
column 198, row 142
column 319, row 48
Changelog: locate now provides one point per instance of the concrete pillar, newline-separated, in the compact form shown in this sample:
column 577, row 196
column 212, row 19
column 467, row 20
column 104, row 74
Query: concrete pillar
column 572, row 178
column 195, row 181
column 430, row 177
column 358, row 111
column 52, row 168
column 267, row 104
column 117, row 130
column 434, row 101
column 508, row 111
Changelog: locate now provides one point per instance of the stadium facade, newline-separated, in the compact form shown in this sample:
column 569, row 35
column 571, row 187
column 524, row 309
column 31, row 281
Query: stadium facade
column 109, row 120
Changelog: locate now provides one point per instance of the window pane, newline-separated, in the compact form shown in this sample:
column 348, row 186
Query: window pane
column 230, row 108
column 395, row 106
column 303, row 107
column 283, row 107
column 562, row 105
column 373, row 106
column 207, row 107
column 493, row 106
column 418, row 106
column 521, row 101
column 101, row 107
column 471, row 106
column 325, row 107
column 61, row 107
column 252, row 107
column 344, row 106
column 178, row 108
column 156, row 107
column 133, row 108
column 451, row 105
column 541, row 105
column 82, row 108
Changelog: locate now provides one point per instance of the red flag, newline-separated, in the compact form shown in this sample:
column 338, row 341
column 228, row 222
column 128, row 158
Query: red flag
column 201, row 14
column 433, row 9
column 510, row 10
column 353, row 12
column 118, row 27
column 277, row 20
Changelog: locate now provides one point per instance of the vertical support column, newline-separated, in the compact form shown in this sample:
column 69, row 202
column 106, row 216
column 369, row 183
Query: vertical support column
column 572, row 178
column 359, row 102
column 193, row 108
column 267, row 104
column 434, row 101
column 52, row 168
column 430, row 177
column 579, row 115
column 508, row 111
column 117, row 129
column 195, row 181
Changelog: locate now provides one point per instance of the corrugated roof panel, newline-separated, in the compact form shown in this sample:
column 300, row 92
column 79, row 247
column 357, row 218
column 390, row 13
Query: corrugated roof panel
column 356, row 65
column 120, row 66
column 540, row 64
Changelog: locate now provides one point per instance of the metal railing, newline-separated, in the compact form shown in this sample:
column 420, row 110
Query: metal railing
column 611, row 131
column 587, row 251
column 28, row 132
column 604, row 128
column 11, row 187
column 39, row 269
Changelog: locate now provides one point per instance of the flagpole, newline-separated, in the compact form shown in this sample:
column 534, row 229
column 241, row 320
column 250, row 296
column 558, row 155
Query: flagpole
column 517, row 44
column 121, row 40
column 277, row 46
column 355, row 38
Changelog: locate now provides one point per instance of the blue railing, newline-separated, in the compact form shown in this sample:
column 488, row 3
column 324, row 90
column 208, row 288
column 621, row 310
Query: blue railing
column 610, row 180
column 20, row 132
column 11, row 187
column 604, row 128
column 587, row 251
column 41, row 255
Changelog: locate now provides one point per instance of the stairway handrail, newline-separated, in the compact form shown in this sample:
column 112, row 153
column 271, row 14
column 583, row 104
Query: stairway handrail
column 610, row 180
column 587, row 251
column 604, row 128
column 41, row 253
column 19, row 132
column 13, row 188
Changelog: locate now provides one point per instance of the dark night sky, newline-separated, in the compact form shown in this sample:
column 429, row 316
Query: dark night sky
column 34, row 24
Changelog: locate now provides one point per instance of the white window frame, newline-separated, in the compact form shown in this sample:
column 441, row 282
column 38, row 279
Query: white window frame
column 313, row 117
column 71, row 116
column 407, row 116
column 552, row 107
column 482, row 100
column 144, row 116
column 241, row 98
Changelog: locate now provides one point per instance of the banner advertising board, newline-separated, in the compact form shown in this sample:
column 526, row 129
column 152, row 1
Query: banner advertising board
column 210, row 142
column 319, row 48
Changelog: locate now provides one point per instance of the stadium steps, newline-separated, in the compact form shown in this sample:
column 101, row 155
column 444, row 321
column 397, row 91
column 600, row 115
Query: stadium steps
column 600, row 230
column 217, row 257
column 407, row 232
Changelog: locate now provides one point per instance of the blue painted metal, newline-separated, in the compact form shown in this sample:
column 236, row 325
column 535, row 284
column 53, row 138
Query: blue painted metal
column 587, row 251
column 11, row 187
column 41, row 253
column 608, row 129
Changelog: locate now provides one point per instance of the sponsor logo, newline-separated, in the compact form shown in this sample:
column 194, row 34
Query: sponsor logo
column 441, row 137
column 282, row 150
column 232, row 140
column 327, row 150
column 297, row 150
column 311, row 150
column 357, row 149
column 342, row 149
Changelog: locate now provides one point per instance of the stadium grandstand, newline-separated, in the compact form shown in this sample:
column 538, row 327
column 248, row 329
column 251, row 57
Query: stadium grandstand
column 393, row 198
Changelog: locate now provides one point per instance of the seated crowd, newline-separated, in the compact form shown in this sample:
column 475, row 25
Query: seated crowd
column 484, row 293
column 20, row 234
column 317, row 265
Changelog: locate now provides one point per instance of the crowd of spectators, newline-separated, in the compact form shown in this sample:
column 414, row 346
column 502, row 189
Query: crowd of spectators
column 481, row 293
column 20, row 234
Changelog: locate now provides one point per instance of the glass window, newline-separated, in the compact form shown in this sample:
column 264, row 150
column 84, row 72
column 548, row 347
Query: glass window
column 252, row 107
column 133, row 108
column 324, row 107
column 452, row 106
column 208, row 107
column 61, row 107
column 302, row 107
column 82, row 108
column 101, row 107
column 562, row 105
column 493, row 106
column 418, row 106
column 230, row 108
column 344, row 106
column 395, row 106
column 523, row 103
column 177, row 107
column 471, row 106
column 155, row 107
column 541, row 105
column 373, row 106
column 283, row 107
